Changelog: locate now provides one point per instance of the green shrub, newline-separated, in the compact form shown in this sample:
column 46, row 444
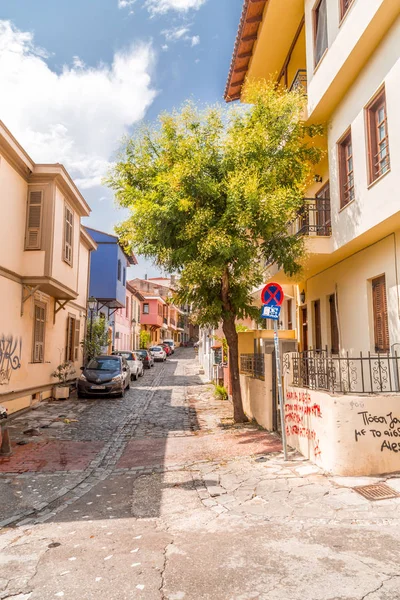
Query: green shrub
column 220, row 392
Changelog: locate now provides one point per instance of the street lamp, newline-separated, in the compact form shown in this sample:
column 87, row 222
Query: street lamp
column 92, row 305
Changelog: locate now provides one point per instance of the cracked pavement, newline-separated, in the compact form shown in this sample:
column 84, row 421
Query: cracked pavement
column 159, row 496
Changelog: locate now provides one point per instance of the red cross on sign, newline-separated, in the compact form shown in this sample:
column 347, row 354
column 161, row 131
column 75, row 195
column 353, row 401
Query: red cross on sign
column 272, row 295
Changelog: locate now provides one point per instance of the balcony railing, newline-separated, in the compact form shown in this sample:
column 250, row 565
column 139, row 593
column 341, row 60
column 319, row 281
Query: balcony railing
column 300, row 81
column 363, row 374
column 253, row 365
column 314, row 218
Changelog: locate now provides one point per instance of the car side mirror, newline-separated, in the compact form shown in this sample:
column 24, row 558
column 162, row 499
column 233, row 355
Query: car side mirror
column 124, row 368
column 82, row 368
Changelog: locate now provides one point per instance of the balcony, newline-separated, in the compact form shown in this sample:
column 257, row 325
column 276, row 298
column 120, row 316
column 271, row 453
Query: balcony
column 299, row 82
column 313, row 219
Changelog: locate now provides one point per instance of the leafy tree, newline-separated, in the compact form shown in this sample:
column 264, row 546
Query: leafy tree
column 145, row 338
column 211, row 193
column 96, row 338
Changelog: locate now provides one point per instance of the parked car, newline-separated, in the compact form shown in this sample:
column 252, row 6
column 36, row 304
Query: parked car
column 146, row 358
column 158, row 353
column 171, row 344
column 134, row 362
column 167, row 349
column 104, row 375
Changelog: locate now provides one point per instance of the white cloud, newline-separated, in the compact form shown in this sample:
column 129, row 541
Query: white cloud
column 125, row 3
column 173, row 35
column 164, row 47
column 75, row 117
column 163, row 6
column 195, row 40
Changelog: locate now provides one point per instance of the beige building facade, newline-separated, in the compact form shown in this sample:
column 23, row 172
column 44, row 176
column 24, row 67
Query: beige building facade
column 44, row 270
column 345, row 305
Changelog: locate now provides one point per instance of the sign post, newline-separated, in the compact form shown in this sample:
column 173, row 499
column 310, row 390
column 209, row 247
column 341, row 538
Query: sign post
column 272, row 297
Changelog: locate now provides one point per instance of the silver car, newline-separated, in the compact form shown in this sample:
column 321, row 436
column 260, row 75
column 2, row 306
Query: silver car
column 104, row 375
column 134, row 362
column 158, row 353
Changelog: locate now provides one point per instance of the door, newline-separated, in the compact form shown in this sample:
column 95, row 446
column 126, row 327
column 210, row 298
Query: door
column 317, row 325
column 303, row 329
column 323, row 210
column 379, row 303
column 334, row 325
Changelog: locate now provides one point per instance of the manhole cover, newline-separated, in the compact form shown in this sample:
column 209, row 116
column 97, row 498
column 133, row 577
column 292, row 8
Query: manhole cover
column 380, row 491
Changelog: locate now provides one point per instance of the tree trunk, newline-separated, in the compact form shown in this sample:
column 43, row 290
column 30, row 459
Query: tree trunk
column 229, row 329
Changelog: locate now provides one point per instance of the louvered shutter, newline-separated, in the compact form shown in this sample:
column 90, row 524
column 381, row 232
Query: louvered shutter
column 381, row 327
column 34, row 221
column 69, row 348
column 39, row 333
column 76, row 338
column 68, row 234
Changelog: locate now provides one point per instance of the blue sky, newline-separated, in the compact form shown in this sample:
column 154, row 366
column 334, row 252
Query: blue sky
column 76, row 75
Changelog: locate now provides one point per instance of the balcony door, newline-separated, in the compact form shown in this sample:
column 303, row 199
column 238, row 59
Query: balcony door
column 323, row 211
column 304, row 328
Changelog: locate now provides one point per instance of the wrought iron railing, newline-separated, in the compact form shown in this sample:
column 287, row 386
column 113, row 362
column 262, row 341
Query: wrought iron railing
column 364, row 374
column 300, row 81
column 314, row 218
column 253, row 365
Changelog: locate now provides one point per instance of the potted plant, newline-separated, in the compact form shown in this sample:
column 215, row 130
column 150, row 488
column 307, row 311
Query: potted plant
column 64, row 372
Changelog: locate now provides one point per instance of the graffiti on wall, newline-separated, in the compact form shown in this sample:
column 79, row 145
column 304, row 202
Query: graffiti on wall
column 298, row 409
column 384, row 428
column 10, row 357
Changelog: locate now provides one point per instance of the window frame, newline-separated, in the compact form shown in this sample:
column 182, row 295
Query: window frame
column 41, row 306
column 146, row 306
column 343, row 10
column 344, row 173
column 28, row 228
column 315, row 10
column 119, row 269
column 68, row 209
column 371, row 112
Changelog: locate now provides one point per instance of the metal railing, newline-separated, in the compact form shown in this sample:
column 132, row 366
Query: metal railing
column 253, row 365
column 300, row 81
column 314, row 218
column 363, row 374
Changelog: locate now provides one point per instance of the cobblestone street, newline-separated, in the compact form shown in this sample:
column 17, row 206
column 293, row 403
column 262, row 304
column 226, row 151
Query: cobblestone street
column 159, row 496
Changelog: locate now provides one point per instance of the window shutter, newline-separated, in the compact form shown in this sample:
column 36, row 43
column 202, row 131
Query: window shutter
column 69, row 349
column 334, row 325
column 317, row 325
column 39, row 333
column 68, row 234
column 381, row 327
column 77, row 338
column 34, row 221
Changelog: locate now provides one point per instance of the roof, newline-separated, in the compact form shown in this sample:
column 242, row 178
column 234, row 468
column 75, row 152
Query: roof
column 101, row 237
column 134, row 291
column 87, row 239
column 250, row 20
column 155, row 298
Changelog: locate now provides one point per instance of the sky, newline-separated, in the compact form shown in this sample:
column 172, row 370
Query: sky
column 77, row 75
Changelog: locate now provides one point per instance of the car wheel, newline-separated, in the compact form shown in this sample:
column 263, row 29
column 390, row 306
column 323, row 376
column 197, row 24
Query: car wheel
column 128, row 387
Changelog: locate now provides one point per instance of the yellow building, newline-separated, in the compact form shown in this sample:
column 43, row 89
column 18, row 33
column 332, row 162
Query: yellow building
column 44, row 269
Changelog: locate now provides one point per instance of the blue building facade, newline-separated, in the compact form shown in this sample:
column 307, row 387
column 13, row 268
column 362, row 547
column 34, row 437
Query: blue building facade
column 108, row 275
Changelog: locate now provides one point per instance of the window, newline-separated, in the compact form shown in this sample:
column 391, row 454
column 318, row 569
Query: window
column 320, row 30
column 334, row 324
column 379, row 306
column 344, row 7
column 124, row 277
column 160, row 310
column 119, row 270
column 346, row 170
column 289, row 314
column 34, row 221
column 317, row 325
column 39, row 329
column 68, row 234
column 378, row 140
column 145, row 309
column 73, row 335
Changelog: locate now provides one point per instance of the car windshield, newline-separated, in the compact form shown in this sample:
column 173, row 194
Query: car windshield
column 142, row 352
column 127, row 355
column 156, row 348
column 104, row 364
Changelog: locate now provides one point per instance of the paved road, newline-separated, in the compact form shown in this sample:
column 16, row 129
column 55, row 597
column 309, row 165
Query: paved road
column 159, row 496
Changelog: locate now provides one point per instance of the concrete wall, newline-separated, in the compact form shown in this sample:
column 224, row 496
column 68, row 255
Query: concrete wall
column 346, row 435
column 257, row 396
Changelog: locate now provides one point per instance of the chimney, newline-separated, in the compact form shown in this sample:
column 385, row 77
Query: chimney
column 145, row 276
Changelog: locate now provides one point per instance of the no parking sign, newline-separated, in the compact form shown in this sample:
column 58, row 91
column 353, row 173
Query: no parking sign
column 272, row 297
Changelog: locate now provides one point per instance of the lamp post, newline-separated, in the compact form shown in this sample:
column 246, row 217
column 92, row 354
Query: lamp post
column 92, row 305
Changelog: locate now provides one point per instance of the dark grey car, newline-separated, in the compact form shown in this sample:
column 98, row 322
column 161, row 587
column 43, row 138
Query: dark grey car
column 104, row 375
